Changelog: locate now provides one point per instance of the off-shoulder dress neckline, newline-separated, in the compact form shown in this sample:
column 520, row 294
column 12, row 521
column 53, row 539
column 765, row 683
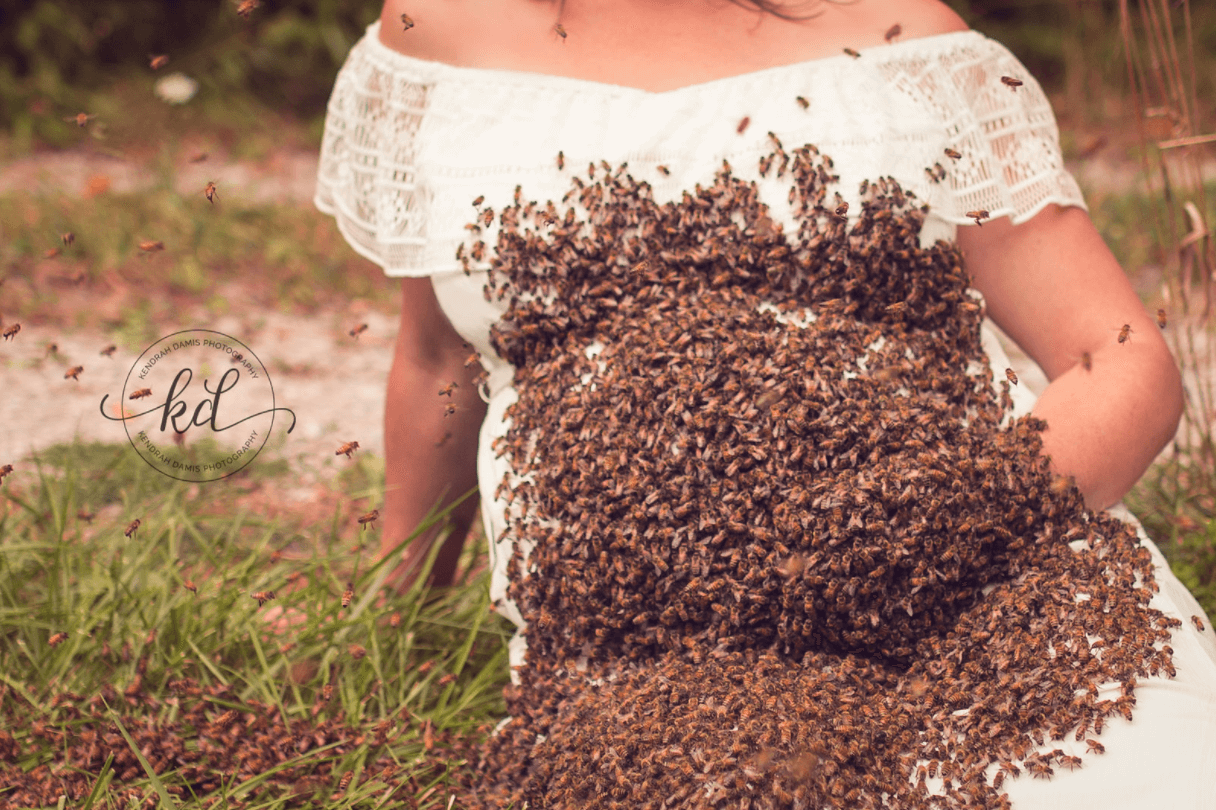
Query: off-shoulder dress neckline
column 436, row 70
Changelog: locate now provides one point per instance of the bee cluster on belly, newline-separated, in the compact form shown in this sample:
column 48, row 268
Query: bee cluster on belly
column 778, row 541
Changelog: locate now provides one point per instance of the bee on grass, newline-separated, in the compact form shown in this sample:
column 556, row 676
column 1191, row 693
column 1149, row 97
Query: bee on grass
column 73, row 373
column 86, row 516
column 394, row 621
column 11, row 332
column 407, row 22
column 141, row 393
column 57, row 639
column 347, row 449
column 132, row 527
column 156, row 62
column 344, row 782
column 369, row 520
column 209, row 191
column 262, row 596
column 356, row 651
column 348, row 595
column 108, row 351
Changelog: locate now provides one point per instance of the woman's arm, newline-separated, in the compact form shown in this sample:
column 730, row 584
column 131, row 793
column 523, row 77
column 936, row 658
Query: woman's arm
column 1053, row 286
column 423, row 462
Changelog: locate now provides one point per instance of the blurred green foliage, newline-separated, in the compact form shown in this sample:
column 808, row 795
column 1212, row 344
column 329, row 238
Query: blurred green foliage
column 56, row 54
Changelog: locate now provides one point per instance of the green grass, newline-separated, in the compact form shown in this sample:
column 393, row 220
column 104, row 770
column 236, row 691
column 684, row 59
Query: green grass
column 59, row 573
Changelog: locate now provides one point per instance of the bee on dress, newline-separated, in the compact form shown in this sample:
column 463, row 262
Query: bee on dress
column 246, row 7
column 666, row 172
column 141, row 393
column 743, row 124
column 132, row 527
column 1011, row 82
column 151, row 246
column 954, row 154
column 11, row 332
column 159, row 61
column 358, row 330
column 348, row 595
column 1009, row 375
column 852, row 53
column 560, row 30
column 80, row 119
column 1125, row 334
column 57, row 639
column 262, row 596
column 209, row 191
column 73, row 373
column 407, row 22
column 369, row 519
column 1198, row 622
column 978, row 215
column 1095, row 747
column 1161, row 319
column 561, row 161
column 893, row 32
column 842, row 210
column 347, row 449
column 447, row 390
column 108, row 351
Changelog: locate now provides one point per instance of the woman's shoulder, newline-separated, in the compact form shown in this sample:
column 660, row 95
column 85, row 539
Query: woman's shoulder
column 918, row 18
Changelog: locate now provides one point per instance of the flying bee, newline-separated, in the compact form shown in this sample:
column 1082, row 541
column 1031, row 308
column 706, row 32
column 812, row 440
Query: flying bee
column 348, row 595
column 190, row 586
column 1125, row 334
column 842, row 210
column 358, row 330
column 1161, row 319
column 262, row 596
column 347, row 449
column 1009, row 81
column 68, row 238
column 471, row 359
column 369, row 519
column 953, row 153
column 447, row 390
column 73, row 373
column 141, row 393
column 57, row 639
column 802, row 102
column 1009, row 375
column 893, row 32
column 561, row 161
column 743, row 124
column 560, row 30
column 666, row 172
column 150, row 246
column 407, row 22
column 158, row 62
column 131, row 528
column 11, row 332
column 80, row 119
column 978, row 216
column 108, row 351
column 246, row 7
column 5, row 470
column 1198, row 622
column 209, row 191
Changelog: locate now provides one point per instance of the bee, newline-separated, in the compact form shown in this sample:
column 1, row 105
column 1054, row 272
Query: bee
column 560, row 30
column 327, row 692
column 158, row 62
column 1009, row 375
column 347, row 449
column 108, row 351
column 80, row 119
column 1125, row 333
column 802, row 102
column 150, row 246
column 344, row 782
column 369, row 519
column 666, row 172
column 356, row 651
column 358, row 330
column 743, row 124
column 1198, row 622
column 73, row 373
column 190, row 586
column 561, row 161
column 141, row 393
column 348, row 595
column 276, row 556
column 246, row 7
column 1009, row 81
column 425, row 668
column 52, row 348
column 69, row 237
column 445, row 680
column 394, row 621
column 57, row 639
column 87, row 517
column 198, row 157
column 893, row 32
column 7, row 469
column 449, row 410
column 11, row 332
column 407, row 22
column 953, row 153
column 1161, row 319
column 842, row 210
column 262, row 596
column 852, row 53
column 447, row 390
column 131, row 528
column 1087, row 362
column 209, row 191
column 472, row 359
column 978, row 215
column 447, row 435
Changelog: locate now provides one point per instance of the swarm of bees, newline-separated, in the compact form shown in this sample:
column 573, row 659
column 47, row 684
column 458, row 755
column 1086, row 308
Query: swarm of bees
column 743, row 528
column 262, row 597
column 347, row 449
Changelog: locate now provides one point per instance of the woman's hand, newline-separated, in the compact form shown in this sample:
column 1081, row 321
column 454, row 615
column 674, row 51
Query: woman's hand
column 1054, row 287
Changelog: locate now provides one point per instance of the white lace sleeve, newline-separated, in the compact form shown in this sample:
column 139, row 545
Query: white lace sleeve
column 1011, row 162
column 367, row 177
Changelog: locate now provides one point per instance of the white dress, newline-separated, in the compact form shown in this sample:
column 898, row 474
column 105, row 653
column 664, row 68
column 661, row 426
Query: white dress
column 409, row 144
